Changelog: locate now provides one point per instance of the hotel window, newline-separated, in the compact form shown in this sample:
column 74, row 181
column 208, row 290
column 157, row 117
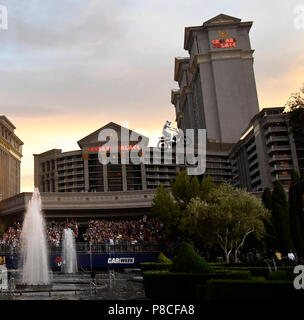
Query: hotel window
column 285, row 173
column 96, row 179
column 134, row 177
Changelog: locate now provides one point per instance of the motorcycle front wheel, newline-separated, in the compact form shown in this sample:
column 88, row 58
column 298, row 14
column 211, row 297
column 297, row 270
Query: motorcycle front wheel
column 162, row 145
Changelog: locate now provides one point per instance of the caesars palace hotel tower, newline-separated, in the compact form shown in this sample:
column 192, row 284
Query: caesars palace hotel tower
column 217, row 84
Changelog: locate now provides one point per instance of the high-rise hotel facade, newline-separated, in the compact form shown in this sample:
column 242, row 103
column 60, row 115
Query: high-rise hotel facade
column 267, row 152
column 82, row 171
column 10, row 159
column 217, row 91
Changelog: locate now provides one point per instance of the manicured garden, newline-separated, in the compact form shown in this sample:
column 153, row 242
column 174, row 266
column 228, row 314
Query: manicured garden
column 222, row 218
column 189, row 276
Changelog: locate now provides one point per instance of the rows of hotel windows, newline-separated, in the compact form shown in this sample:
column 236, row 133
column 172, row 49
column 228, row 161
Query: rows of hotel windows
column 70, row 175
column 10, row 165
column 275, row 132
column 219, row 168
column 278, row 147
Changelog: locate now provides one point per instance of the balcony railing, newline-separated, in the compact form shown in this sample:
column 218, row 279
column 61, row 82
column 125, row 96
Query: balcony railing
column 276, row 129
column 281, row 177
column 276, row 148
column 276, row 138
column 280, row 157
column 277, row 167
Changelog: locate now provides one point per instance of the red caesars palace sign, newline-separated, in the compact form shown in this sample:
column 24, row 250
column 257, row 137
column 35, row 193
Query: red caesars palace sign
column 224, row 41
column 108, row 148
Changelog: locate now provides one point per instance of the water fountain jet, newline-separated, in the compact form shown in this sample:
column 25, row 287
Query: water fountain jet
column 34, row 250
column 69, row 257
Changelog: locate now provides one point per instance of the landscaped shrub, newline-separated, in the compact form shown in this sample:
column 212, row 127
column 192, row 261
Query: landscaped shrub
column 278, row 275
column 155, row 266
column 239, row 264
column 289, row 271
column 163, row 259
column 227, row 290
column 169, row 285
column 262, row 271
column 187, row 260
column 255, row 271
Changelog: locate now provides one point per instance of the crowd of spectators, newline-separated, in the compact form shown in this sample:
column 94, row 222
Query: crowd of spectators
column 98, row 232
column 124, row 231
column 55, row 231
column 11, row 238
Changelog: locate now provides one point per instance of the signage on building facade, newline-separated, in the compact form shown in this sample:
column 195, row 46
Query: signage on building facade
column 224, row 41
column 108, row 148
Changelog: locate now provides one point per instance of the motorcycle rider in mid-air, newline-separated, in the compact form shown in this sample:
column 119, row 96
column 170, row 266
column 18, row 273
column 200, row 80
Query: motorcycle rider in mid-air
column 171, row 136
column 167, row 131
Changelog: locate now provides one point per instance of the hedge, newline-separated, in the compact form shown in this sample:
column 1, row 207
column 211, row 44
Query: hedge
column 155, row 266
column 188, row 260
column 258, row 271
column 235, row 290
column 255, row 271
column 169, row 285
column 163, row 259
column 279, row 275
column 239, row 264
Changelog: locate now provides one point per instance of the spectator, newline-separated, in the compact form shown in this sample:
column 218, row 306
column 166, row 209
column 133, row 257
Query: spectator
column 124, row 231
column 99, row 231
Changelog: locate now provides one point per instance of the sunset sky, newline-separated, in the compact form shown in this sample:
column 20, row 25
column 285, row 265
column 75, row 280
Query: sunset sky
column 69, row 67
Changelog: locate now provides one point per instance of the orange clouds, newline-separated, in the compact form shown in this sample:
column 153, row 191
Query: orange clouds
column 274, row 91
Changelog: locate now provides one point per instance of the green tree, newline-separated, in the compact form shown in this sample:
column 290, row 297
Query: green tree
column 181, row 188
column 270, row 234
column 280, row 211
column 295, row 177
column 206, row 188
column 295, row 108
column 227, row 219
column 194, row 188
column 167, row 211
column 295, row 215
column 266, row 198
column 171, row 208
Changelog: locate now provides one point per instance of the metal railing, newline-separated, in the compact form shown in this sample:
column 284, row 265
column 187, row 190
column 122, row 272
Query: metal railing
column 122, row 247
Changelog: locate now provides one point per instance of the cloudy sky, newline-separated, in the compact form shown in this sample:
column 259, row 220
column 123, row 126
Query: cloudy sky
column 68, row 67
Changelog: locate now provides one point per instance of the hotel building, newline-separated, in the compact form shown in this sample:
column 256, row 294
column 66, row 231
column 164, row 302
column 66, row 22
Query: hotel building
column 217, row 88
column 81, row 170
column 217, row 92
column 10, row 159
column 267, row 152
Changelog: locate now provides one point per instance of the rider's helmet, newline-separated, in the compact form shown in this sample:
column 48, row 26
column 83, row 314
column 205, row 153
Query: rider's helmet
column 168, row 123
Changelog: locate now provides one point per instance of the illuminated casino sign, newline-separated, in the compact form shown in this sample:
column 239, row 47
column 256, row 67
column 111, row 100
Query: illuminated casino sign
column 224, row 41
column 108, row 148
